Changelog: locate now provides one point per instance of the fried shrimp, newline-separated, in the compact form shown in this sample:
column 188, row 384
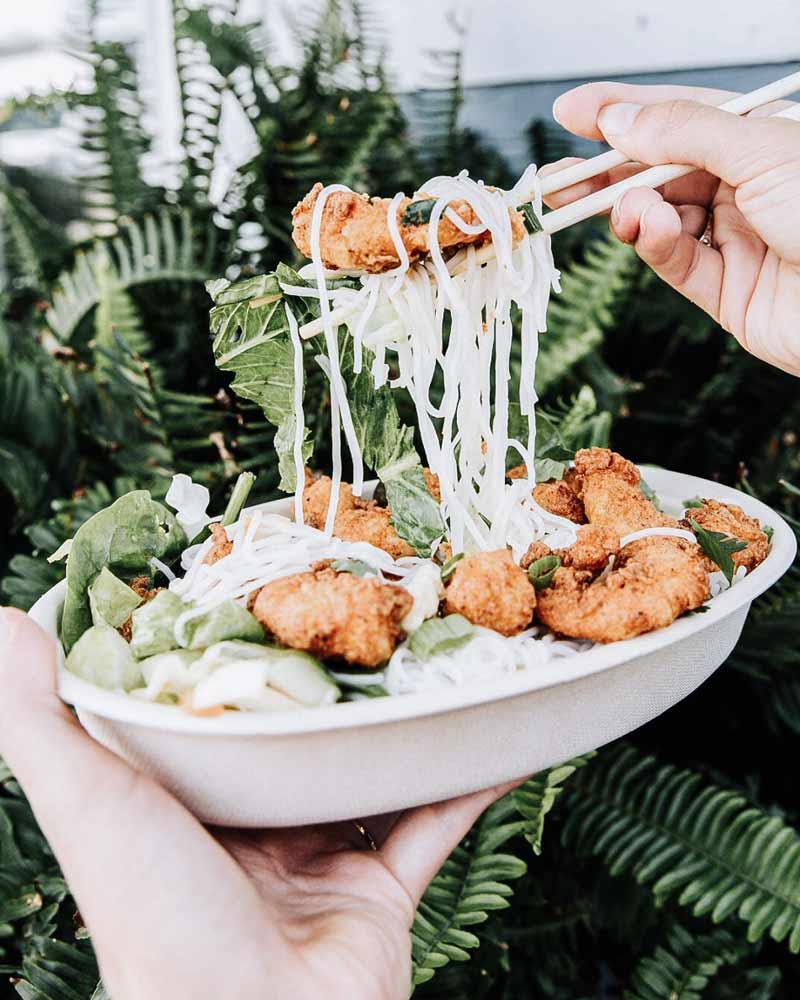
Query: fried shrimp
column 489, row 589
column 556, row 497
column 650, row 583
column 610, row 488
column 731, row 520
column 335, row 615
column 356, row 520
column 355, row 234
column 222, row 545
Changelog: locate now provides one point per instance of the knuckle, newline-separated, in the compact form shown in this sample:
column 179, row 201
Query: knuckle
column 676, row 115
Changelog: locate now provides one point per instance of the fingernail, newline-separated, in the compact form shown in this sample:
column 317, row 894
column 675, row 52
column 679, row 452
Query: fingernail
column 555, row 111
column 617, row 119
column 615, row 211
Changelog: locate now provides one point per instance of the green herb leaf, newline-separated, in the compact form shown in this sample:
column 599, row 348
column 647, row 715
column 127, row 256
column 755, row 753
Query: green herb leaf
column 252, row 340
column 542, row 571
column 532, row 221
column 417, row 213
column 694, row 502
column 769, row 531
column 124, row 538
column 449, row 567
column 697, row 611
column 437, row 635
column 387, row 445
column 718, row 547
column 355, row 566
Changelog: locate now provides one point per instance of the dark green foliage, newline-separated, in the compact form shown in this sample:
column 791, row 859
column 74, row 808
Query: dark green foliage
column 107, row 383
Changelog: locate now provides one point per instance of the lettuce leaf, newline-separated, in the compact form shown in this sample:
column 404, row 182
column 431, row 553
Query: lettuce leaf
column 252, row 340
column 387, row 445
column 110, row 600
column 124, row 538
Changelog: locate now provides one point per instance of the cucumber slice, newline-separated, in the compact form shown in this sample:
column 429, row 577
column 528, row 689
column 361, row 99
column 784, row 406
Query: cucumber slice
column 295, row 674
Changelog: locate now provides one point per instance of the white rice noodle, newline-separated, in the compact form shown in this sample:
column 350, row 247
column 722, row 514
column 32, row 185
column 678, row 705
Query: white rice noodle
column 717, row 581
column 267, row 547
column 487, row 654
column 299, row 415
column 340, row 410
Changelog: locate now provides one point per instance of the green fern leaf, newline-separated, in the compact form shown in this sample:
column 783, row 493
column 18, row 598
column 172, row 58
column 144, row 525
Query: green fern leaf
column 471, row 883
column 161, row 247
column 687, row 838
column 538, row 795
column 682, row 967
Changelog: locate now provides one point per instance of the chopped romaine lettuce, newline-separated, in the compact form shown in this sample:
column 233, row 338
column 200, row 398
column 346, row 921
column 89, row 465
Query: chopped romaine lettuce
column 153, row 625
column 240, row 685
column 228, row 620
column 102, row 657
column 124, row 538
column 110, row 600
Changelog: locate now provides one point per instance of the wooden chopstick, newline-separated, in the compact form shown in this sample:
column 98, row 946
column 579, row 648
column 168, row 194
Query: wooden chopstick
column 603, row 201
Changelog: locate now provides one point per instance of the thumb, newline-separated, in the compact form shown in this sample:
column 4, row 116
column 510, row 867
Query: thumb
column 732, row 148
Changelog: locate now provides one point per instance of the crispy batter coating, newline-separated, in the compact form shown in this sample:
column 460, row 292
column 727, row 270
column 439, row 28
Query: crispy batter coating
column 357, row 520
column 536, row 550
column 221, row 547
column 141, row 586
column 559, row 496
column 335, row 615
column 432, row 482
column 556, row 496
column 354, row 233
column 651, row 583
column 489, row 589
column 732, row 520
column 609, row 486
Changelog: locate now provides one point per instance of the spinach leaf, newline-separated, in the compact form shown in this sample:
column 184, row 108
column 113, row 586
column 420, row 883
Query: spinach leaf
column 436, row 635
column 542, row 571
column 718, row 547
column 388, row 447
column 252, row 340
column 123, row 538
column 417, row 213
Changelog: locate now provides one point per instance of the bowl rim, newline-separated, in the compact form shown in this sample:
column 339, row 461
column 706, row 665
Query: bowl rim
column 122, row 708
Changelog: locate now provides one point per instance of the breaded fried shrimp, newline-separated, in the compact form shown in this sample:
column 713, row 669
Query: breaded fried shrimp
column 355, row 234
column 609, row 486
column 356, row 520
column 556, row 497
column 651, row 583
column 731, row 520
column 489, row 589
column 335, row 615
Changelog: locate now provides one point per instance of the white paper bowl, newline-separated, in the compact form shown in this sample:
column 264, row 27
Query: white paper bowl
column 376, row 756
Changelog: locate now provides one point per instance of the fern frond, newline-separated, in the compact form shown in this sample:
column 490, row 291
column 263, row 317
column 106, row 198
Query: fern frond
column 682, row 967
column 538, row 795
column 58, row 971
column 161, row 247
column 28, row 240
column 747, row 984
column 471, row 883
column 685, row 837
column 579, row 317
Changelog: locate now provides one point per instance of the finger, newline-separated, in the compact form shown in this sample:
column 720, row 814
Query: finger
column 658, row 235
column 577, row 109
column 117, row 835
column 694, row 219
column 423, row 838
column 732, row 148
